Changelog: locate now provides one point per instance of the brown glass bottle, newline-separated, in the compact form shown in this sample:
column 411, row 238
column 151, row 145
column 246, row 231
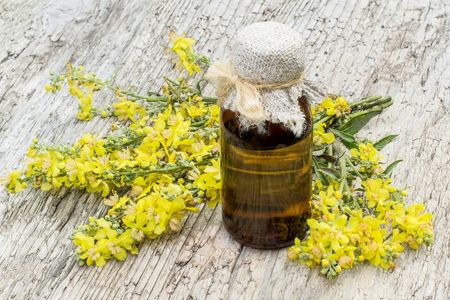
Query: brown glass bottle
column 266, row 181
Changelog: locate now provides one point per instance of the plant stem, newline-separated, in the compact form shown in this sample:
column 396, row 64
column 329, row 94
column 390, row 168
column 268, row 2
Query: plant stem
column 166, row 170
column 353, row 167
column 371, row 104
column 365, row 101
column 377, row 107
column 151, row 98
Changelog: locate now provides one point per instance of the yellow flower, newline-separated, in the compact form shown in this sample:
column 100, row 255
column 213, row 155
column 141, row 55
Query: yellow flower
column 13, row 182
column 198, row 109
column 334, row 106
column 342, row 106
column 90, row 146
column 110, row 243
column 129, row 110
column 329, row 197
column 85, row 100
column 98, row 242
column 182, row 47
column 210, row 182
column 377, row 191
column 321, row 137
column 328, row 105
column 87, row 251
column 153, row 213
column 50, row 88
column 415, row 224
column 366, row 152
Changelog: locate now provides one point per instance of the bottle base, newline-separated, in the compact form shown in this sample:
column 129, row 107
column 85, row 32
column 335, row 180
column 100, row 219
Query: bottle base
column 261, row 241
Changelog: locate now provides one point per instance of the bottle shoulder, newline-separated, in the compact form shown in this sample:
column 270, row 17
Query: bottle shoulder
column 269, row 136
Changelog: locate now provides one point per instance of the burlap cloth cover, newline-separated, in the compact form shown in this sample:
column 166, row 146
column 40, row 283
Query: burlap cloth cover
column 264, row 77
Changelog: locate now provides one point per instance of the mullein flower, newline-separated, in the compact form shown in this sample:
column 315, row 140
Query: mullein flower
column 366, row 152
column 14, row 182
column 321, row 137
column 377, row 191
column 182, row 46
column 333, row 106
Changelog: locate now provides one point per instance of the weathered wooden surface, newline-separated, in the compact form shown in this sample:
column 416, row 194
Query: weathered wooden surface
column 356, row 48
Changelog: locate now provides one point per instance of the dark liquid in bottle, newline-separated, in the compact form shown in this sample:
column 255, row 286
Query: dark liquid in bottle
column 266, row 181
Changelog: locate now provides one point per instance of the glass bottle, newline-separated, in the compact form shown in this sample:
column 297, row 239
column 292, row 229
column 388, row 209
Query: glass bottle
column 266, row 181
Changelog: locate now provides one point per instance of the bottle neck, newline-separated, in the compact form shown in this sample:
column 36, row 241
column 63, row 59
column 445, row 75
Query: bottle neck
column 265, row 137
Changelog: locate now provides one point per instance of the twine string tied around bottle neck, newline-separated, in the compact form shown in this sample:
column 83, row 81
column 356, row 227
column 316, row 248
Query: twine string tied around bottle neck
column 248, row 98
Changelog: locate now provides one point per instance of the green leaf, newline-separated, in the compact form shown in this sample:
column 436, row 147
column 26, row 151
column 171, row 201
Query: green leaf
column 347, row 139
column 358, row 121
column 384, row 141
column 328, row 158
column 318, row 152
column 332, row 173
column 390, row 168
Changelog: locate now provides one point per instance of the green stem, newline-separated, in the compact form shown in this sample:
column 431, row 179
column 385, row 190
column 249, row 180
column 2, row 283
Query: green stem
column 322, row 120
column 379, row 102
column 167, row 170
column 198, row 123
column 353, row 167
column 210, row 99
column 378, row 108
column 151, row 98
column 330, row 153
column 374, row 103
column 365, row 101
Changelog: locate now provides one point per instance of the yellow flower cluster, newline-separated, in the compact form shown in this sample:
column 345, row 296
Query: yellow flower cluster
column 357, row 214
column 163, row 164
column 340, row 237
column 157, row 208
column 14, row 182
column 366, row 152
column 81, row 85
column 368, row 157
column 82, row 89
column 320, row 137
column 209, row 182
column 378, row 190
column 333, row 106
column 161, row 199
column 100, row 240
column 182, row 47
column 129, row 110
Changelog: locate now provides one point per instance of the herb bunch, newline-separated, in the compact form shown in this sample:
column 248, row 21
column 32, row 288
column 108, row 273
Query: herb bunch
column 162, row 161
column 357, row 214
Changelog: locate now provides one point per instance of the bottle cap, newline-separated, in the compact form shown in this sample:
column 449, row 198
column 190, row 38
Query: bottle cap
column 263, row 78
column 268, row 53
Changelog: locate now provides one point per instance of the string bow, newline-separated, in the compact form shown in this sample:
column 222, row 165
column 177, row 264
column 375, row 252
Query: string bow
column 248, row 98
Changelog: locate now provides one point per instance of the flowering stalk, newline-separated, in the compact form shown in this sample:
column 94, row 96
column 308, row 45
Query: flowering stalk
column 357, row 214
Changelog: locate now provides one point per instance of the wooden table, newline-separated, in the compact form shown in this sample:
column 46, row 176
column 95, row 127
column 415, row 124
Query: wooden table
column 356, row 48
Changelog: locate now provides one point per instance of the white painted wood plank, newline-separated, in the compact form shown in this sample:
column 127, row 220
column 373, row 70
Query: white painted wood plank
column 356, row 48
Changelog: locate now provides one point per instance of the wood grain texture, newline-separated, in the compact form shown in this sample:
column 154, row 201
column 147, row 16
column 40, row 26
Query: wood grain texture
column 356, row 48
